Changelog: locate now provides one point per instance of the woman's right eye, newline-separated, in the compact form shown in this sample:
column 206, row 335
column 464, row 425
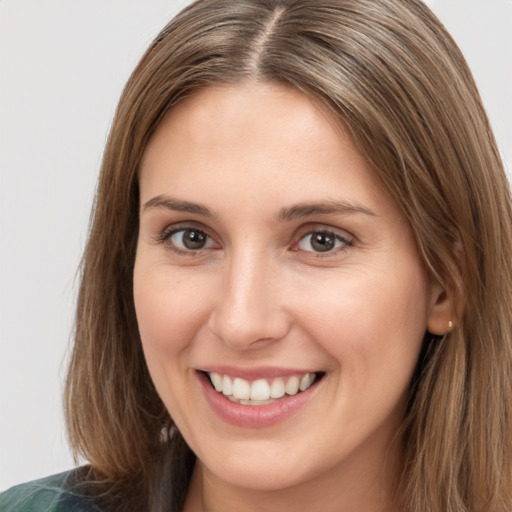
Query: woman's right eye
column 187, row 240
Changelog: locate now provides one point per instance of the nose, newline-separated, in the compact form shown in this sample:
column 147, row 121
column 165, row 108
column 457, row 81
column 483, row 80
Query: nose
column 249, row 311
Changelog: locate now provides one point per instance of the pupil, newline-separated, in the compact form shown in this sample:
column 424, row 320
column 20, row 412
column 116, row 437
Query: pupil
column 194, row 239
column 322, row 242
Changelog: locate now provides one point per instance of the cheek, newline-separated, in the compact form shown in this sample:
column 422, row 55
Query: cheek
column 169, row 316
column 168, row 313
column 371, row 323
column 167, row 323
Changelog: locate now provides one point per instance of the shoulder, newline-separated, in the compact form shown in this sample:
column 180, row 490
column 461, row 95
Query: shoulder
column 57, row 493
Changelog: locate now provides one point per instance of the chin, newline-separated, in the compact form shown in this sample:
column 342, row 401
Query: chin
column 262, row 476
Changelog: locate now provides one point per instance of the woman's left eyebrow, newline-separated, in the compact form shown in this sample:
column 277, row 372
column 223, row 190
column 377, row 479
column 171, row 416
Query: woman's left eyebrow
column 323, row 208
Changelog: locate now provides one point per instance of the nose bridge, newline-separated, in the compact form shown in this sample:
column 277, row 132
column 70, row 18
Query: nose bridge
column 248, row 309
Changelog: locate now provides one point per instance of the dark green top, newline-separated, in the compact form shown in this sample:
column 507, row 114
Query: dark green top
column 57, row 493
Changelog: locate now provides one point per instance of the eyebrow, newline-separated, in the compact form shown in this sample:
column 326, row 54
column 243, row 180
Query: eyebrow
column 285, row 214
column 324, row 208
column 176, row 205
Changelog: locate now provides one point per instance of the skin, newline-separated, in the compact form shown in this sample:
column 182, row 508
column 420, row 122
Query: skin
column 257, row 294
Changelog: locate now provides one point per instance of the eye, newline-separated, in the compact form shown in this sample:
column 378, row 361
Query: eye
column 188, row 239
column 323, row 241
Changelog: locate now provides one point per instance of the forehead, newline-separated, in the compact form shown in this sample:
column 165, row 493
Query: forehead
column 260, row 137
column 245, row 112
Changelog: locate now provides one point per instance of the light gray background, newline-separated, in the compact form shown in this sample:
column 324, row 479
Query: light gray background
column 63, row 64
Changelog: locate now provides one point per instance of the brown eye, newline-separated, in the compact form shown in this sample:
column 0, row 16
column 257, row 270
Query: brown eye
column 189, row 239
column 323, row 242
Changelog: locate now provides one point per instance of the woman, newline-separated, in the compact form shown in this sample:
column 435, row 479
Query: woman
column 296, row 289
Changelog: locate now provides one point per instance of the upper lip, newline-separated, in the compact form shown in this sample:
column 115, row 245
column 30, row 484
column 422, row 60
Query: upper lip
column 255, row 372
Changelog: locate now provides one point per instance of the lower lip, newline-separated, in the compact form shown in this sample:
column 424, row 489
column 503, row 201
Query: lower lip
column 253, row 416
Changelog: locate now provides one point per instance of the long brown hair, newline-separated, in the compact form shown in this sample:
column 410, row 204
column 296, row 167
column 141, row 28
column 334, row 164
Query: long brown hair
column 392, row 74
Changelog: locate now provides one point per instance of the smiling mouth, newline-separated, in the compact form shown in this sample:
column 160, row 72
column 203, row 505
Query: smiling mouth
column 261, row 391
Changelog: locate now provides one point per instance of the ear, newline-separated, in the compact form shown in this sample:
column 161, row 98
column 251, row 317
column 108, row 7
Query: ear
column 441, row 315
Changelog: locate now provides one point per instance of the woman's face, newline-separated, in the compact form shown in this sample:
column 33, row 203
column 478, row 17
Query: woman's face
column 272, row 263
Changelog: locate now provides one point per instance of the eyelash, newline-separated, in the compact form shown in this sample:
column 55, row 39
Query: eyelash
column 343, row 242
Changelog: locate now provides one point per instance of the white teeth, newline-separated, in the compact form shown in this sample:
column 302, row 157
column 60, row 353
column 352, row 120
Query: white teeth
column 292, row 386
column 227, row 386
column 260, row 392
column 306, row 381
column 216, row 381
column 241, row 389
column 277, row 388
column 254, row 402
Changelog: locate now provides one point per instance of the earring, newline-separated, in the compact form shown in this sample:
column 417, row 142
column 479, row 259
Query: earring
column 450, row 325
